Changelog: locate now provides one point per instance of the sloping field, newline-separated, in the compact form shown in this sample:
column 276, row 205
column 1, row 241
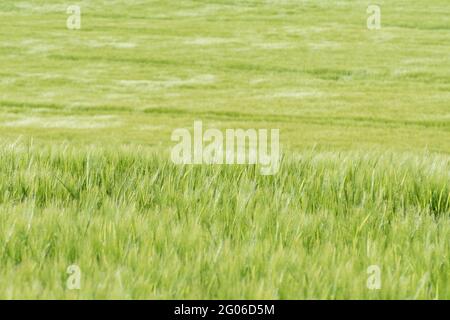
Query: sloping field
column 86, row 179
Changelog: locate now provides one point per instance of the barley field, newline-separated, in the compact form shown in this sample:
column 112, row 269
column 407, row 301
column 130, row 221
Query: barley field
column 87, row 181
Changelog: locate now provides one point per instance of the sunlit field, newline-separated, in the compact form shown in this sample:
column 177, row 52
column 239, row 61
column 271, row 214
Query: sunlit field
column 86, row 177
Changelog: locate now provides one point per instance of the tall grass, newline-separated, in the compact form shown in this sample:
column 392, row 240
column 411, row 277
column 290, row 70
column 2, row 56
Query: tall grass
column 140, row 227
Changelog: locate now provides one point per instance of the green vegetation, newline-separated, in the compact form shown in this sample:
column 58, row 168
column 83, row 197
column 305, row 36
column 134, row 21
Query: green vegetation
column 140, row 227
column 86, row 178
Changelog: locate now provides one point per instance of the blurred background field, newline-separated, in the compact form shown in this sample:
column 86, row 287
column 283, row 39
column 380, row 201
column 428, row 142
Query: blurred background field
column 86, row 118
column 138, row 69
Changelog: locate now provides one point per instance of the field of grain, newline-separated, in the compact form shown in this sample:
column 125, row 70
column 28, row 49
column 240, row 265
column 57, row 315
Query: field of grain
column 86, row 177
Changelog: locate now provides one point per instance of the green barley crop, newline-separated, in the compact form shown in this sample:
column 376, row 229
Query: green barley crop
column 364, row 124
column 140, row 227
